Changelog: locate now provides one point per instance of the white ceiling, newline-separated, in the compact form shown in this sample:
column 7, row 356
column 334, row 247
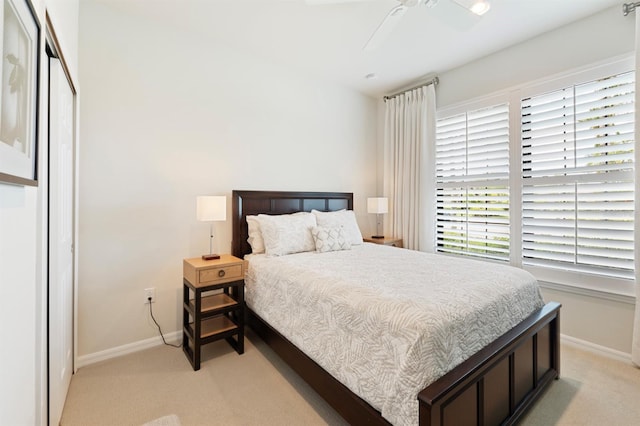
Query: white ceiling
column 326, row 40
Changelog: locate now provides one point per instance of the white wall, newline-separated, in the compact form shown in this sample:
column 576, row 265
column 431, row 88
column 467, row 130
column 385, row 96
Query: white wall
column 167, row 116
column 609, row 34
column 23, row 263
column 584, row 42
column 19, row 305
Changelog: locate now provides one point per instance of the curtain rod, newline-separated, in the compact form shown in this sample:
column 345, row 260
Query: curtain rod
column 434, row 81
column 627, row 8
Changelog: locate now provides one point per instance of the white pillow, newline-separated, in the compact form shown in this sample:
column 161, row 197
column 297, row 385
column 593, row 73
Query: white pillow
column 255, row 235
column 341, row 218
column 330, row 239
column 287, row 233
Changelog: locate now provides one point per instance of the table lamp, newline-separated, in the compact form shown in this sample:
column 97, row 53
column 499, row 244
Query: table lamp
column 211, row 208
column 379, row 206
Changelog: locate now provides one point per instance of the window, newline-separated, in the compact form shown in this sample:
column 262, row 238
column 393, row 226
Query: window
column 552, row 191
column 472, row 183
column 578, row 179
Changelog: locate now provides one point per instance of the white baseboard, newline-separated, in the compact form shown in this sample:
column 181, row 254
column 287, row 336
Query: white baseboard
column 89, row 359
column 595, row 348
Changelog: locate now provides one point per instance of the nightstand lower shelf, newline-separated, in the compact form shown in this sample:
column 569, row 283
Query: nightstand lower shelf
column 218, row 302
column 213, row 327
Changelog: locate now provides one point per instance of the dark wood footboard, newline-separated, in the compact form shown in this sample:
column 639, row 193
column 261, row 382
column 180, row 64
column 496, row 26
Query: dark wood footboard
column 495, row 386
column 498, row 384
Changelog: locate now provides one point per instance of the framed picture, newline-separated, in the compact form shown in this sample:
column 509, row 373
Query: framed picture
column 19, row 53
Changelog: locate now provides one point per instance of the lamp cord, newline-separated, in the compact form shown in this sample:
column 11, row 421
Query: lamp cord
column 158, row 325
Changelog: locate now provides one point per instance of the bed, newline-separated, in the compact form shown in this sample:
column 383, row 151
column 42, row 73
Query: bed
column 494, row 385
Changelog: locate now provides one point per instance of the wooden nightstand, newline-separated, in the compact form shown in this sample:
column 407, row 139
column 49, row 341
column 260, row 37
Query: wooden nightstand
column 219, row 314
column 395, row 242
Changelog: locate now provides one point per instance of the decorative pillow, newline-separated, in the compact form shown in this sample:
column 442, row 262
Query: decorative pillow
column 330, row 239
column 287, row 233
column 341, row 218
column 255, row 235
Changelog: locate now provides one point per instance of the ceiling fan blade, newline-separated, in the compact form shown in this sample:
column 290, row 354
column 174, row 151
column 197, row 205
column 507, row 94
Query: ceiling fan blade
column 386, row 27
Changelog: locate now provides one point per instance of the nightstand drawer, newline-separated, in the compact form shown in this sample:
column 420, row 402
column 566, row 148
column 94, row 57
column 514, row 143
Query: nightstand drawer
column 224, row 273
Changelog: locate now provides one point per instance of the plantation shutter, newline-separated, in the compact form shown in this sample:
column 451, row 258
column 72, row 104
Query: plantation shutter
column 577, row 168
column 472, row 176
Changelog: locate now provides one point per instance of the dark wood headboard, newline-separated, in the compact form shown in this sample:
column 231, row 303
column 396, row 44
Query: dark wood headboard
column 246, row 203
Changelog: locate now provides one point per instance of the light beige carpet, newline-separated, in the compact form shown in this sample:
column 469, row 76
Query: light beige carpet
column 170, row 420
column 258, row 389
column 255, row 388
column 592, row 390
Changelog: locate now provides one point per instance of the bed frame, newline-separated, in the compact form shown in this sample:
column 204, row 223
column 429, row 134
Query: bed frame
column 495, row 386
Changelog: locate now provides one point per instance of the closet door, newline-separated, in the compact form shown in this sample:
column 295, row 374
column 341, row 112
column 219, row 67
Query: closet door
column 61, row 257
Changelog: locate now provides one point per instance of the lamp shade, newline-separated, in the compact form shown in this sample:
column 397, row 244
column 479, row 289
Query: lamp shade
column 211, row 208
column 378, row 205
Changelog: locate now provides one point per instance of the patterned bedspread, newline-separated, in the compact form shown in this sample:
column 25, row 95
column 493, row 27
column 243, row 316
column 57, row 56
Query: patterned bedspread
column 387, row 322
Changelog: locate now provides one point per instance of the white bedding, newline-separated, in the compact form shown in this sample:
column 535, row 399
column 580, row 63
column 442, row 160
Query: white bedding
column 387, row 322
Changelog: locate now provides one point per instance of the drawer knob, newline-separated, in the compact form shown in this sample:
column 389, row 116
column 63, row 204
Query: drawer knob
column 221, row 273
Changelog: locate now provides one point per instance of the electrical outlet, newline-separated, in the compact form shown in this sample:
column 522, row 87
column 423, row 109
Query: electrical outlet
column 149, row 293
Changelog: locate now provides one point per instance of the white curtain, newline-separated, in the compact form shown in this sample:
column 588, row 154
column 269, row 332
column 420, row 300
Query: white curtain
column 409, row 178
column 635, row 347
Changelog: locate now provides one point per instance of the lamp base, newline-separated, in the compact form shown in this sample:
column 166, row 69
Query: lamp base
column 210, row 256
column 377, row 236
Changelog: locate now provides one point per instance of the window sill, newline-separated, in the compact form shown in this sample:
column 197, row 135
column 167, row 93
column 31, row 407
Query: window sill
column 617, row 290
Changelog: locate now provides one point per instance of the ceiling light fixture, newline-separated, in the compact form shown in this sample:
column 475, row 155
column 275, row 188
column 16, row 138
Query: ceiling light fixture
column 480, row 7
